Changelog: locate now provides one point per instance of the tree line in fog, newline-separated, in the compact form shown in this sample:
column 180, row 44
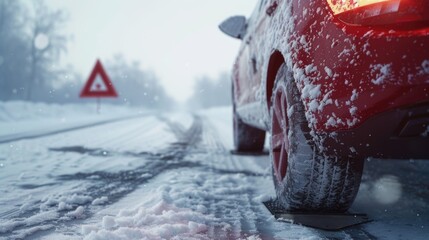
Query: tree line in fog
column 30, row 45
column 32, row 42
column 211, row 92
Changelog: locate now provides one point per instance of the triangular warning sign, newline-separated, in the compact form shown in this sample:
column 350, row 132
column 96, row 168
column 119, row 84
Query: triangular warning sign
column 98, row 84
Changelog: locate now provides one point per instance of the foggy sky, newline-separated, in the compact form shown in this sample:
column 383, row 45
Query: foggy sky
column 177, row 39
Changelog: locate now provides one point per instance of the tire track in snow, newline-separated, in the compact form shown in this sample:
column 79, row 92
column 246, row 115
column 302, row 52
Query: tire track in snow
column 115, row 185
column 237, row 206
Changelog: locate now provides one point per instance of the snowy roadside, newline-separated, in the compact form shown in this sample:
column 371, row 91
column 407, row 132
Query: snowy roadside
column 24, row 119
column 171, row 176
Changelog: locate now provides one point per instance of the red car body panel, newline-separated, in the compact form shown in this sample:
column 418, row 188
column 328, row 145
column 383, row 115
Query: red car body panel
column 368, row 71
column 347, row 74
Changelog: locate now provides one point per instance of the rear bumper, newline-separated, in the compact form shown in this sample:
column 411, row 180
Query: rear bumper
column 355, row 72
column 401, row 133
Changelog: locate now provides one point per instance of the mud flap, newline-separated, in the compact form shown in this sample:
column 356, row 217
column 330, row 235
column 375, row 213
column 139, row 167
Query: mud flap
column 256, row 154
column 324, row 221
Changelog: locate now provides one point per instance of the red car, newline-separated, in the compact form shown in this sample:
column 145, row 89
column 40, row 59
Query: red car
column 334, row 82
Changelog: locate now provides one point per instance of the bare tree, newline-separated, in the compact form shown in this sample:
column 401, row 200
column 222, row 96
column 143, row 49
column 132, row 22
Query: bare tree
column 30, row 44
column 47, row 44
column 13, row 50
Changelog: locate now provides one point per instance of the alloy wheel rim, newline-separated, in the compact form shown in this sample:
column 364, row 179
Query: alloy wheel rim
column 279, row 134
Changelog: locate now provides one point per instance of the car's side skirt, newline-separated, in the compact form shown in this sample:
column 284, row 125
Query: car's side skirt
column 251, row 114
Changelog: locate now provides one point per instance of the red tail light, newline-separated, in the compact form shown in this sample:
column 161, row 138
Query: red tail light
column 400, row 13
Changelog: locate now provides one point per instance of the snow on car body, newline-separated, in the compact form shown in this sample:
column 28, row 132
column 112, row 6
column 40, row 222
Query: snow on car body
column 359, row 72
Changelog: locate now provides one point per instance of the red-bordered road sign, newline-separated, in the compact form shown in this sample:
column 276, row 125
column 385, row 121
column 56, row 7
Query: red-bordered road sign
column 98, row 84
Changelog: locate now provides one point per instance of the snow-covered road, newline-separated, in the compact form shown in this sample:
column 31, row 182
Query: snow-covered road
column 171, row 176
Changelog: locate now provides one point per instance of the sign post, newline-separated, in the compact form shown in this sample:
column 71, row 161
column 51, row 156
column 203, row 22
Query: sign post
column 98, row 105
column 98, row 85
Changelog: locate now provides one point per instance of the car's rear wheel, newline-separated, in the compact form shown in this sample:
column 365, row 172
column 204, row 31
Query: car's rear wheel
column 305, row 179
column 246, row 137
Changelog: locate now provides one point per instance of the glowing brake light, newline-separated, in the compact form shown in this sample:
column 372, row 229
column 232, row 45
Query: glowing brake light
column 405, row 14
column 339, row 6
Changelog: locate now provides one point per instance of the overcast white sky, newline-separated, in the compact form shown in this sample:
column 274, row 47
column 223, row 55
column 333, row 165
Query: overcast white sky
column 177, row 39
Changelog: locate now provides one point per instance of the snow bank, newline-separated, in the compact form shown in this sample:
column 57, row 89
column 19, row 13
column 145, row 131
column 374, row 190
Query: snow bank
column 17, row 111
column 18, row 117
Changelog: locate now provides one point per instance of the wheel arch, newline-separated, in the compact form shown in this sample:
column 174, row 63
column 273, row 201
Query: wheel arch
column 274, row 64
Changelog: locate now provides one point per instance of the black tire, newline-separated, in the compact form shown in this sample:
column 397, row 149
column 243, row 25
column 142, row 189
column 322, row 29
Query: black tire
column 246, row 137
column 306, row 179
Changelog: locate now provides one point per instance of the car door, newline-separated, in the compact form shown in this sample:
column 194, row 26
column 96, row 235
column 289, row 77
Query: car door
column 248, row 67
column 257, row 47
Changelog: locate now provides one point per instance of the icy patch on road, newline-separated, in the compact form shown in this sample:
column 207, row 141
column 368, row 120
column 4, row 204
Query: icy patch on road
column 392, row 193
